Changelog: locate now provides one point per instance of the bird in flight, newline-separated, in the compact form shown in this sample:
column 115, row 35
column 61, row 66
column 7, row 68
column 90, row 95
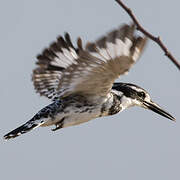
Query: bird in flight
column 80, row 80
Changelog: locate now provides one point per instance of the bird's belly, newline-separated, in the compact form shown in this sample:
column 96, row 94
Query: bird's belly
column 74, row 116
column 78, row 118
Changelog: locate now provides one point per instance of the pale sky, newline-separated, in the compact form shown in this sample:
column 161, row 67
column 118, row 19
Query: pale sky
column 135, row 144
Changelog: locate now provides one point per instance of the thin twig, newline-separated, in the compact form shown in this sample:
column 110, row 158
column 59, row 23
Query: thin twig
column 152, row 37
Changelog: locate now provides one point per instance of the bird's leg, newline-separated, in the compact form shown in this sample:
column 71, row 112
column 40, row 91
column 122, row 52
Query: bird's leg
column 58, row 125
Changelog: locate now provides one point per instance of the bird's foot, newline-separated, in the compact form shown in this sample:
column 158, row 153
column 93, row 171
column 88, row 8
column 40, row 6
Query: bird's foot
column 58, row 126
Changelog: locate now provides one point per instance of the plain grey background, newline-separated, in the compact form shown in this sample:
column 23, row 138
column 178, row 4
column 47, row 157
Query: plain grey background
column 135, row 144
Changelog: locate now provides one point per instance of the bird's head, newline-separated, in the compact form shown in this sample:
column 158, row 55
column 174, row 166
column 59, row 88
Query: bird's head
column 132, row 95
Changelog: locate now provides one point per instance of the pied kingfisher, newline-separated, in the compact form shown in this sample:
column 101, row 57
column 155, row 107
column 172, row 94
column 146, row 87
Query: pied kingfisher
column 80, row 81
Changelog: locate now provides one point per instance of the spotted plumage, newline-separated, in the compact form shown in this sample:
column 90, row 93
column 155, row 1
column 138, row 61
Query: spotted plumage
column 80, row 81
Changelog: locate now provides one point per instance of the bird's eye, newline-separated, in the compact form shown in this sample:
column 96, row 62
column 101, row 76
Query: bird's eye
column 142, row 95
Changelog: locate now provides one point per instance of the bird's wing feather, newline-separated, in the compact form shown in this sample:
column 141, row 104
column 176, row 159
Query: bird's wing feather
column 102, row 62
column 63, row 70
column 51, row 64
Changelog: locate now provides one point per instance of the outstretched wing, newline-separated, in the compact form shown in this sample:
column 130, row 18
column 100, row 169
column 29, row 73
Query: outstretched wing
column 63, row 70
column 102, row 62
column 51, row 64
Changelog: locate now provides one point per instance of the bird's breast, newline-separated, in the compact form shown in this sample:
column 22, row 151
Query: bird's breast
column 115, row 106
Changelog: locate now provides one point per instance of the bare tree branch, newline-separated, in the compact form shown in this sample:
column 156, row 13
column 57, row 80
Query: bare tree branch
column 145, row 32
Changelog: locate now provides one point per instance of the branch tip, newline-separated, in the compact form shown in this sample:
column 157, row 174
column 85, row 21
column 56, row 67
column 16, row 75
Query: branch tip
column 149, row 35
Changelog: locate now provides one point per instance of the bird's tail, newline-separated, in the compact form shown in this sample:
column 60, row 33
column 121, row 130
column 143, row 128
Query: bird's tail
column 28, row 126
column 40, row 118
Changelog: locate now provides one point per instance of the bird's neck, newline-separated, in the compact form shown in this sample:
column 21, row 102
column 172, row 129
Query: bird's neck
column 120, row 102
column 115, row 104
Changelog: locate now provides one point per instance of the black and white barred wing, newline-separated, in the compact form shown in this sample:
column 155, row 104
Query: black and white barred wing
column 51, row 65
column 101, row 63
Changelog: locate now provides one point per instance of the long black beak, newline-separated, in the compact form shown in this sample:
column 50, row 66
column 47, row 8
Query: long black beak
column 156, row 108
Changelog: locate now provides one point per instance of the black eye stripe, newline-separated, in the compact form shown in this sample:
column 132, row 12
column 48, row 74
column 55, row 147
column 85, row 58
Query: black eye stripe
column 130, row 90
column 127, row 91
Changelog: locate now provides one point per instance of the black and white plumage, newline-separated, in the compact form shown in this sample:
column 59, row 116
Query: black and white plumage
column 80, row 81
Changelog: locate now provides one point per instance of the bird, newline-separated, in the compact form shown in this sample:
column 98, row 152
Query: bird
column 80, row 81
